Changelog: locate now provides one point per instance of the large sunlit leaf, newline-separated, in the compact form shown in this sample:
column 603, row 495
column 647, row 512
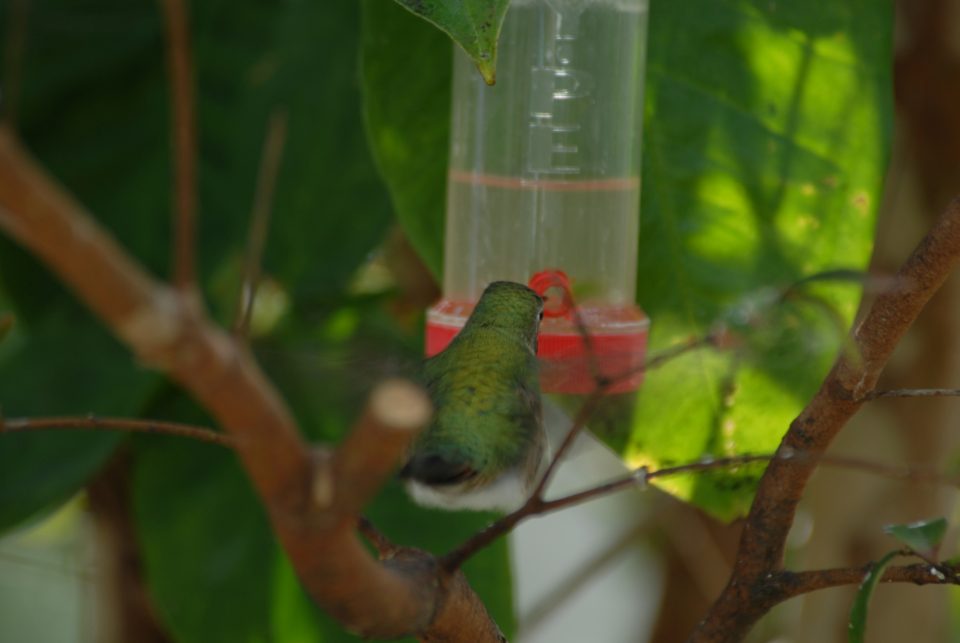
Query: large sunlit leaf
column 473, row 24
column 763, row 165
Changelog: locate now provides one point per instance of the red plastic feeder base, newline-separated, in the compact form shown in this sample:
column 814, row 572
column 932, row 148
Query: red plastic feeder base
column 618, row 340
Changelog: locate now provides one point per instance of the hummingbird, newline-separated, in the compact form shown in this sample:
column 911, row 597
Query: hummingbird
column 485, row 446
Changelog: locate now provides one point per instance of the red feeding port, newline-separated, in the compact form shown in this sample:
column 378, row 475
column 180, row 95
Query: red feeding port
column 617, row 338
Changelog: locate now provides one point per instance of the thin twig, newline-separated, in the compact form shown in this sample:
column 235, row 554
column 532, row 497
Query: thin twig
column 183, row 128
column 603, row 384
column 260, row 219
column 384, row 546
column 132, row 425
column 536, row 504
column 453, row 559
column 7, row 322
column 915, row 392
column 640, row 477
column 587, row 338
column 787, row 584
column 586, row 410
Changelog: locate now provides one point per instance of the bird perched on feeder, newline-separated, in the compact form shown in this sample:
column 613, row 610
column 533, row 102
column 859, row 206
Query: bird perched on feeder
column 485, row 446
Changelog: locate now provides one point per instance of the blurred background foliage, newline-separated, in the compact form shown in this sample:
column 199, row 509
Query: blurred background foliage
column 767, row 134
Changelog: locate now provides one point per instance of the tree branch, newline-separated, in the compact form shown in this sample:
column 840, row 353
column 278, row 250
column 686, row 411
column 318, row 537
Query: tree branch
column 639, row 478
column 841, row 395
column 260, row 219
column 164, row 330
column 133, row 425
column 183, row 142
column 790, row 584
column 915, row 392
column 310, row 500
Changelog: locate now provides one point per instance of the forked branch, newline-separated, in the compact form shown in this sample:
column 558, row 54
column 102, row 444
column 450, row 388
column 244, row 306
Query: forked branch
column 311, row 499
column 847, row 386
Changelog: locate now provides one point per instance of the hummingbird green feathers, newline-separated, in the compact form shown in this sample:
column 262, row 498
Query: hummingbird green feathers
column 485, row 445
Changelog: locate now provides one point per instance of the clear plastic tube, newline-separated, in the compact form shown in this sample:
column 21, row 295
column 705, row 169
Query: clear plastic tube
column 544, row 179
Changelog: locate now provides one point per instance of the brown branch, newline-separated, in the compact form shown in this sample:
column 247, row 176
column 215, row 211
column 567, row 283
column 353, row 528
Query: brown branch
column 639, row 478
column 385, row 548
column 370, row 598
column 841, row 395
column 579, row 422
column 406, row 594
column 183, row 142
column 260, row 219
column 915, row 392
column 788, row 584
column 7, row 322
column 536, row 504
column 133, row 425
column 161, row 328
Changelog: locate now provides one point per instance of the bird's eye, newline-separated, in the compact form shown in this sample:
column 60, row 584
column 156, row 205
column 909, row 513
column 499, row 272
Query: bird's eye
column 541, row 315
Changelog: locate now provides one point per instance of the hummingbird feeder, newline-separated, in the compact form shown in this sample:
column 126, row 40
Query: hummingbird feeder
column 544, row 186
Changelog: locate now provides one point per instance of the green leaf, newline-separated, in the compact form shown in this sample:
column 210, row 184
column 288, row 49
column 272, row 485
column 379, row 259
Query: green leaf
column 923, row 536
column 200, row 526
column 330, row 208
column 63, row 366
column 473, row 24
column 856, row 629
column 407, row 117
column 767, row 135
column 94, row 109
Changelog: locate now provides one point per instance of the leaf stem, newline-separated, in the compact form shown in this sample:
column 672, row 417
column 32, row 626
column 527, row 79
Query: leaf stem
column 133, row 425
